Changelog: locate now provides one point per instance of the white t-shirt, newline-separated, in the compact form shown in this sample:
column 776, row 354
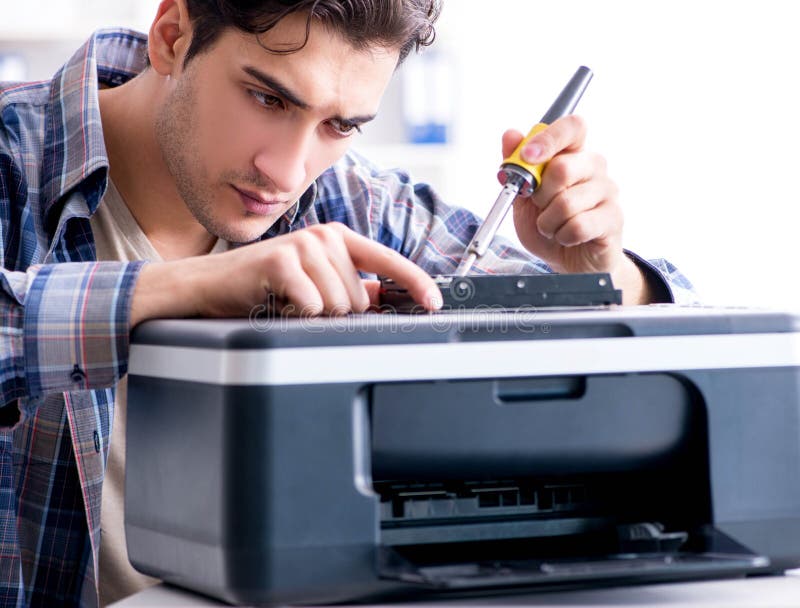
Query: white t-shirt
column 118, row 237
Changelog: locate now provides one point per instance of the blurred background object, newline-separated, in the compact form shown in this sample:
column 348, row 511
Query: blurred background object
column 12, row 67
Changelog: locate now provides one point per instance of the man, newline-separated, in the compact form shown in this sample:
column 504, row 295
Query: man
column 228, row 126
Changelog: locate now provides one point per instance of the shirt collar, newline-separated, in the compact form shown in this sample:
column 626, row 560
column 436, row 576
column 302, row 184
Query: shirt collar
column 73, row 132
column 289, row 220
column 304, row 203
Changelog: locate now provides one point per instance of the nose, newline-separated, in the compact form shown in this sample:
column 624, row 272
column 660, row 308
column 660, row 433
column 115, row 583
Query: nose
column 283, row 158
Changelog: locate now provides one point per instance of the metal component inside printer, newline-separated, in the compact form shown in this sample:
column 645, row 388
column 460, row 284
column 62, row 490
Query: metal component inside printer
column 509, row 292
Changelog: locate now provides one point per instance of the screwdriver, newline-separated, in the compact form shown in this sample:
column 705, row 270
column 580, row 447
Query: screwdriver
column 519, row 177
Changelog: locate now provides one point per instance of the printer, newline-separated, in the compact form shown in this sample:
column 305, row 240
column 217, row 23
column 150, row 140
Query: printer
column 274, row 460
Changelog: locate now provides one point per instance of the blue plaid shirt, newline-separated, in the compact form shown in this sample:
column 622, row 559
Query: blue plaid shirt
column 65, row 317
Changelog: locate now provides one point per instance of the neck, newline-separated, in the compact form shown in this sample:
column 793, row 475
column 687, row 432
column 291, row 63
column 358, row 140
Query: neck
column 140, row 174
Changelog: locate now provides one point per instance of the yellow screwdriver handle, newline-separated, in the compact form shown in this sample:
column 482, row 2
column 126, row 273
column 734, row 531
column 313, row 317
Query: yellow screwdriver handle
column 516, row 156
column 528, row 176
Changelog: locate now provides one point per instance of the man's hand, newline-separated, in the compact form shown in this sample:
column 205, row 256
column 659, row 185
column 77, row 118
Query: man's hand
column 309, row 272
column 573, row 221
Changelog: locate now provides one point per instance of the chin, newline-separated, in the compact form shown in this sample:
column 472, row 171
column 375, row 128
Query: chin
column 242, row 232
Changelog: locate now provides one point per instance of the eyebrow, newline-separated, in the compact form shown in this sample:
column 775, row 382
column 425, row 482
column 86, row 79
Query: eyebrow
column 285, row 92
column 280, row 89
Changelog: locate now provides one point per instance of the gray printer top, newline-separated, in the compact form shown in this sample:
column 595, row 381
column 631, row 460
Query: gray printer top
column 478, row 344
column 262, row 331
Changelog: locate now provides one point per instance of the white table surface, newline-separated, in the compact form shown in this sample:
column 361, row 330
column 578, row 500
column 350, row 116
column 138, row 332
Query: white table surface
column 757, row 592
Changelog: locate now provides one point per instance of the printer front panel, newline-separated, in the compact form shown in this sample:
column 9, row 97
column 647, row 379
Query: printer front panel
column 333, row 492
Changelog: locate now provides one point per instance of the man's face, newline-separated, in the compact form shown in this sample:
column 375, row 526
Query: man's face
column 245, row 132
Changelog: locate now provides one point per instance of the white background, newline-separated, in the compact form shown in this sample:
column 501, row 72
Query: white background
column 694, row 104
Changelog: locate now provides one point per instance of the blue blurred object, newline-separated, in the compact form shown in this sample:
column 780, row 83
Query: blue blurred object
column 427, row 97
column 428, row 133
column 12, row 67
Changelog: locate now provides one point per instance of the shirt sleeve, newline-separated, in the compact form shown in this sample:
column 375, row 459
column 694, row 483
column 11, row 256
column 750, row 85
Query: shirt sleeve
column 413, row 220
column 64, row 327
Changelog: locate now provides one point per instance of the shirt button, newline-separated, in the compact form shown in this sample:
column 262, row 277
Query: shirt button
column 77, row 374
column 97, row 442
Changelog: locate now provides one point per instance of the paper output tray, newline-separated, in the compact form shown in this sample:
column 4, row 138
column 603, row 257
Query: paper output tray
column 620, row 569
column 707, row 553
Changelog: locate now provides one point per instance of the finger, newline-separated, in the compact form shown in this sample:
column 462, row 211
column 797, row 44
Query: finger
column 292, row 291
column 335, row 299
column 603, row 222
column 567, row 134
column 311, row 249
column 358, row 296
column 355, row 296
column 373, row 289
column 326, row 277
column 572, row 202
column 511, row 139
column 565, row 171
column 373, row 257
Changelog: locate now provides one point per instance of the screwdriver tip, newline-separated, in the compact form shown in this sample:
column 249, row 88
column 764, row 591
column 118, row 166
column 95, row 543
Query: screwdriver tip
column 466, row 265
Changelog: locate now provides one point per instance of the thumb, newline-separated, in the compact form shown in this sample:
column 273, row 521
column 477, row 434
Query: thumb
column 511, row 139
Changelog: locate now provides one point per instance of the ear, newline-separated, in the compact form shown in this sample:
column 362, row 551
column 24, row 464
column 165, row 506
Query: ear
column 170, row 35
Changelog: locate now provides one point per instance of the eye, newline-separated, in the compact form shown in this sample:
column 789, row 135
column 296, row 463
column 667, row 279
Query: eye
column 344, row 128
column 265, row 99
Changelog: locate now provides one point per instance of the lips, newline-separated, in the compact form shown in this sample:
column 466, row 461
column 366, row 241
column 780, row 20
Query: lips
column 257, row 204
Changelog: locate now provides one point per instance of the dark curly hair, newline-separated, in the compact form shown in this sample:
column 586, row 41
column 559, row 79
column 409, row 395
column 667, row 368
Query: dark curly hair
column 402, row 24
